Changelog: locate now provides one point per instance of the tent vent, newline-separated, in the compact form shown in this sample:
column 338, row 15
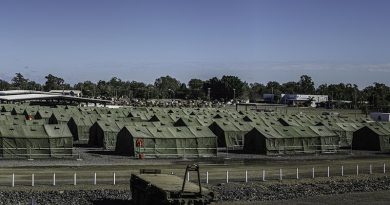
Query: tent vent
column 32, row 129
column 56, row 128
column 285, row 130
column 224, row 123
column 136, row 129
column 143, row 125
column 163, row 124
column 198, row 128
column 11, row 129
column 158, row 130
column 178, row 129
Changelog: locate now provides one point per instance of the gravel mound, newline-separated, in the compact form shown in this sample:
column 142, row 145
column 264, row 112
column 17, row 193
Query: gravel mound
column 87, row 197
column 257, row 191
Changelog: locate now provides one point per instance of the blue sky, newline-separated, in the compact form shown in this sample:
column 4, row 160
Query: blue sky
column 258, row 40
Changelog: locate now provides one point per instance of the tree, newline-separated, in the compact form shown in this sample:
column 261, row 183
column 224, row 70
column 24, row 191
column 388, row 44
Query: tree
column 378, row 96
column 104, row 89
column 224, row 88
column 234, row 87
column 87, row 88
column 306, row 85
column 290, row 88
column 4, row 85
column 166, row 86
column 54, row 83
column 19, row 82
column 32, row 85
column 195, row 89
column 255, row 91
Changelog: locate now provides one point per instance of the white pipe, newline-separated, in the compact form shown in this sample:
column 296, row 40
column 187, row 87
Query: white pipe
column 246, row 176
column 94, row 179
column 54, row 179
column 32, row 180
column 207, row 177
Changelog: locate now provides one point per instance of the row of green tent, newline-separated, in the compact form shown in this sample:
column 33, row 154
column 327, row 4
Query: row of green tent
column 35, row 141
column 101, row 127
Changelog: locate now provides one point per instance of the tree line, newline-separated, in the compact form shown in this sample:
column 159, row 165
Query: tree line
column 222, row 89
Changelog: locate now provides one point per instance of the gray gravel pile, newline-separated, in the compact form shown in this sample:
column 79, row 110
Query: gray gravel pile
column 66, row 197
column 261, row 192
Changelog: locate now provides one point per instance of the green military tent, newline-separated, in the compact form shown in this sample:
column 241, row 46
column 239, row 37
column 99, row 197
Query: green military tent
column 166, row 142
column 103, row 134
column 230, row 134
column 290, row 140
column 39, row 141
column 375, row 137
column 79, row 126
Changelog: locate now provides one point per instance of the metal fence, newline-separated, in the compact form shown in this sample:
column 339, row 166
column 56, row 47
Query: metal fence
column 212, row 176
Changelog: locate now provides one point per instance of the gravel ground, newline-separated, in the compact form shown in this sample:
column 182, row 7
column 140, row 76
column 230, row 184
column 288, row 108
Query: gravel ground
column 225, row 193
column 282, row 191
column 117, row 197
